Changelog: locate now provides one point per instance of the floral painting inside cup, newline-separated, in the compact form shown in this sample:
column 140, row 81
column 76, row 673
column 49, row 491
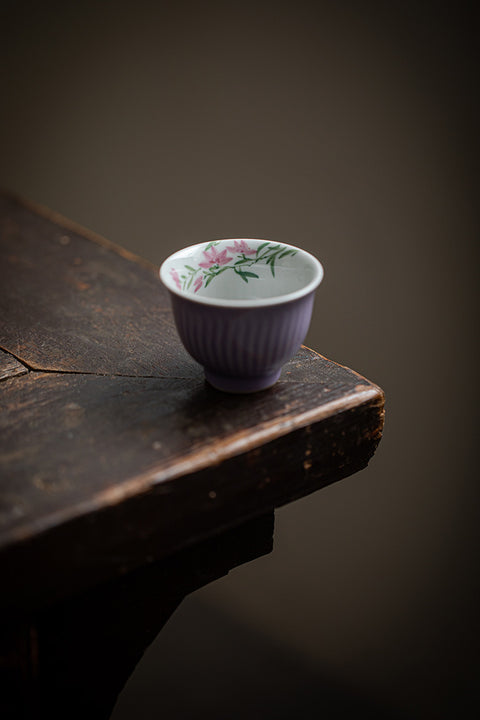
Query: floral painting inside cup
column 239, row 259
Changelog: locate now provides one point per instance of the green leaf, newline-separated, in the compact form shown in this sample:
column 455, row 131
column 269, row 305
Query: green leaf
column 209, row 280
column 242, row 274
column 287, row 252
column 249, row 274
column 272, row 265
column 211, row 244
column 189, row 282
column 260, row 247
column 189, row 267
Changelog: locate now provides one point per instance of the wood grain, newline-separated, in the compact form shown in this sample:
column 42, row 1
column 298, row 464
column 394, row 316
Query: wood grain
column 10, row 366
column 72, row 444
column 113, row 447
column 73, row 305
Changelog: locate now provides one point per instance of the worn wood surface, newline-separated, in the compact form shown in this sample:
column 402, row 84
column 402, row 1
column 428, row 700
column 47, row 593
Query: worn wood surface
column 74, row 304
column 10, row 367
column 113, row 446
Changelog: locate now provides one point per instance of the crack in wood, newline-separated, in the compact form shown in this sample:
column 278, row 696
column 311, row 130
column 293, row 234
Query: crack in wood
column 10, row 366
column 29, row 367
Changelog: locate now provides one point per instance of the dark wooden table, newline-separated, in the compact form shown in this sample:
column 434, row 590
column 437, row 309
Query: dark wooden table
column 121, row 469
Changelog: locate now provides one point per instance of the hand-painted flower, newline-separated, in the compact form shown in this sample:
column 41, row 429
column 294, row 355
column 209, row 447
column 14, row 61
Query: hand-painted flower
column 197, row 284
column 240, row 246
column 213, row 257
column 175, row 278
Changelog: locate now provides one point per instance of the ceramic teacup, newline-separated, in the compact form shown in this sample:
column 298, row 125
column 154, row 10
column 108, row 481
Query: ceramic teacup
column 242, row 307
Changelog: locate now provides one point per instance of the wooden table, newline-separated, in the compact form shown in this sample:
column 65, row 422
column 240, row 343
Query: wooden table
column 116, row 457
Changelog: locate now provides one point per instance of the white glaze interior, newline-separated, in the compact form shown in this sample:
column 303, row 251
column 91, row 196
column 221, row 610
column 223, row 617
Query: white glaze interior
column 238, row 272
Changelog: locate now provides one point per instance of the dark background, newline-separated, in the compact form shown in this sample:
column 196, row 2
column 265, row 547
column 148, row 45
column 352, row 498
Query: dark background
column 349, row 129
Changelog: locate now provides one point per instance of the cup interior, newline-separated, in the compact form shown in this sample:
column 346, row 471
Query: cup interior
column 241, row 272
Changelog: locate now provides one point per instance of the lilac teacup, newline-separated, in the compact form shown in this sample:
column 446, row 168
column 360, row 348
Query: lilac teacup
column 242, row 307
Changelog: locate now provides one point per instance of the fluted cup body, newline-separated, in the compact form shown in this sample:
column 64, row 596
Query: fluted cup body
column 242, row 308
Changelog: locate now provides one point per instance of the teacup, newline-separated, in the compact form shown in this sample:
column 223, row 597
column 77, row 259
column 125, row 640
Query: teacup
column 242, row 307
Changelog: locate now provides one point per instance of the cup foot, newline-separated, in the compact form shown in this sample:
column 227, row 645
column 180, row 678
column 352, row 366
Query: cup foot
column 242, row 384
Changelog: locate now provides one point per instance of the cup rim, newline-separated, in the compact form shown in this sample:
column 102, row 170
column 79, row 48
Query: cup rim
column 246, row 303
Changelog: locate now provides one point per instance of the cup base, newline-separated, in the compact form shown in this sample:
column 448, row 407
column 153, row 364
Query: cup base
column 242, row 384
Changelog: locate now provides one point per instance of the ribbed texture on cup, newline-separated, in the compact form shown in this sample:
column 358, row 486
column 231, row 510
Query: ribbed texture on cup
column 242, row 342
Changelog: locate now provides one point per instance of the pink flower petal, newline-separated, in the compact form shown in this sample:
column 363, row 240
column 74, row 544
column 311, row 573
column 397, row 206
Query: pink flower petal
column 241, row 246
column 223, row 258
column 213, row 257
column 175, row 278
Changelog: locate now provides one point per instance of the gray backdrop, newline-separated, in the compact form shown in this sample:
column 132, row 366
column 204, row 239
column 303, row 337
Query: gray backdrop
column 348, row 129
